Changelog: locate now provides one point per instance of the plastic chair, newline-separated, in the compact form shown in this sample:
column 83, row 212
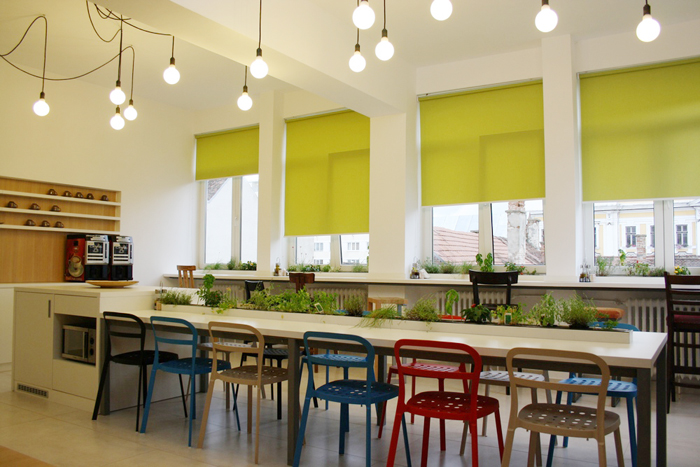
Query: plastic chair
column 191, row 366
column 466, row 406
column 558, row 419
column 619, row 389
column 250, row 375
column 345, row 391
column 141, row 358
column 683, row 327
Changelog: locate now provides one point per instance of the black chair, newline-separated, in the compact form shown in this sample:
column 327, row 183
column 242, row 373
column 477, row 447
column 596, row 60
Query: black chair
column 252, row 286
column 683, row 327
column 507, row 278
column 141, row 358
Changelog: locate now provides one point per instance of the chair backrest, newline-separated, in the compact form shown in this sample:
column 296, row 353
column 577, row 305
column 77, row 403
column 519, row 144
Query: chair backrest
column 682, row 296
column 252, row 286
column 507, row 278
column 560, row 355
column 252, row 334
column 189, row 338
column 185, row 276
column 126, row 334
column 311, row 359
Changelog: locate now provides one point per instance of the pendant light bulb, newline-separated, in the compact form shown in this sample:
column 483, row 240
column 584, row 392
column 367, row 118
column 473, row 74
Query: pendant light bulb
column 41, row 108
column 117, row 96
column 385, row 49
column 648, row 29
column 244, row 101
column 441, row 9
column 259, row 68
column 171, row 75
column 130, row 112
column 547, row 19
column 117, row 122
column 363, row 16
column 357, row 61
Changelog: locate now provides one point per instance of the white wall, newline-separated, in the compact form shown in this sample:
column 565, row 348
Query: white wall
column 150, row 161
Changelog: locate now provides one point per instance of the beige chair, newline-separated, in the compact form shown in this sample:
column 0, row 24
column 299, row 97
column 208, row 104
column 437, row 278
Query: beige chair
column 557, row 419
column 185, row 276
column 250, row 375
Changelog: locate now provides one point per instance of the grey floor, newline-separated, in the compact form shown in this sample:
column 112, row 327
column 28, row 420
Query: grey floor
column 64, row 436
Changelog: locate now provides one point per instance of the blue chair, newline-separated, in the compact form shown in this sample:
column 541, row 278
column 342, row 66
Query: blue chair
column 345, row 391
column 191, row 365
column 616, row 389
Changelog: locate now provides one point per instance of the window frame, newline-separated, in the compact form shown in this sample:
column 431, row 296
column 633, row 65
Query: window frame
column 335, row 250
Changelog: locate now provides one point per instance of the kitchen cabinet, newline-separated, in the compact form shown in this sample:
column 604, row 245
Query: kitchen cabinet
column 33, row 338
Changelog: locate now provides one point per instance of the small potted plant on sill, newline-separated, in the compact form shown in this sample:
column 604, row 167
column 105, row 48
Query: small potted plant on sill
column 477, row 314
column 577, row 313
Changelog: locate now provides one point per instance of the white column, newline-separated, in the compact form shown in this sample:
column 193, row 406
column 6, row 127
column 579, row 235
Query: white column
column 394, row 214
column 563, row 213
column 271, row 242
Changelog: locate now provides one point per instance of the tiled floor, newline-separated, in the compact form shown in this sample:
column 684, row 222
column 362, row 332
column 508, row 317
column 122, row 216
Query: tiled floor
column 63, row 436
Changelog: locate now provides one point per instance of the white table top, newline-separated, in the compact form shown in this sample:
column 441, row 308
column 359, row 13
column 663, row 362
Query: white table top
column 642, row 352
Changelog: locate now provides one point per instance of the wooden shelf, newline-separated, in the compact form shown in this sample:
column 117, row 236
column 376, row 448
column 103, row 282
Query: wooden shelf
column 39, row 212
column 38, row 228
column 70, row 199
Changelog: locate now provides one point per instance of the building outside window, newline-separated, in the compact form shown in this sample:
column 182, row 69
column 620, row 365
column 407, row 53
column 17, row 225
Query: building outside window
column 518, row 232
column 682, row 235
column 354, row 249
column 455, row 233
column 631, row 236
column 318, row 246
column 652, row 236
column 313, row 250
column 686, row 215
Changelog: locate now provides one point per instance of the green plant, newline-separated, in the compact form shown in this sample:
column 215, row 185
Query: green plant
column 638, row 269
column 577, row 313
column 328, row 301
column 622, row 255
column 226, row 303
column 448, row 268
column 546, row 312
column 514, row 267
column 355, row 305
column 681, row 271
column 211, row 298
column 429, row 266
column 359, row 268
column 603, row 265
column 423, row 310
column 451, row 298
column 516, row 314
column 215, row 266
column 326, row 268
column 477, row 314
column 378, row 317
column 657, row 272
column 174, row 297
column 465, row 267
column 485, row 263
column 293, row 302
column 248, row 266
column 293, row 268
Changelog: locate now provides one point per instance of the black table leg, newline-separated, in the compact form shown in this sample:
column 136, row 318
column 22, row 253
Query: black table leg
column 293, row 414
column 661, row 401
column 643, row 417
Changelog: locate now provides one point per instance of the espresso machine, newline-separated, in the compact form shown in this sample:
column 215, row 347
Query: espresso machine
column 87, row 257
column 121, row 264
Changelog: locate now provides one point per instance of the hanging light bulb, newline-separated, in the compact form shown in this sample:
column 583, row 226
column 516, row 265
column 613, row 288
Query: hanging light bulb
column 117, row 122
column 130, row 112
column 117, row 96
column 648, row 29
column 171, row 75
column 385, row 49
column 441, row 9
column 357, row 61
column 41, row 108
column 547, row 19
column 259, row 68
column 363, row 16
column 244, row 101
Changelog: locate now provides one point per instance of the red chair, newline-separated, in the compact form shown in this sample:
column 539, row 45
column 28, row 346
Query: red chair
column 465, row 406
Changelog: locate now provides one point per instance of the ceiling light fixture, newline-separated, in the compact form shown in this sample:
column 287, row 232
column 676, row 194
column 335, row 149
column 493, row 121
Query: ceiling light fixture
column 259, row 68
column 171, row 75
column 363, row 16
column 117, row 122
column 547, row 19
column 117, row 96
column 441, row 9
column 385, row 49
column 41, row 108
column 357, row 61
column 648, row 29
column 130, row 112
column 244, row 101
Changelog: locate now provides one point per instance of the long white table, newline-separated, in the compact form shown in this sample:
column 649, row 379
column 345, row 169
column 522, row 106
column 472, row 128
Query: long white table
column 636, row 359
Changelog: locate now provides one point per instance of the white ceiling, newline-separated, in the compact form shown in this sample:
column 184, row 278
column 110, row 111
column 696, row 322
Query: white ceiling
column 306, row 43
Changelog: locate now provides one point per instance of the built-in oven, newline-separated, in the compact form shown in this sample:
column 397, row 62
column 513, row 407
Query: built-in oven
column 79, row 343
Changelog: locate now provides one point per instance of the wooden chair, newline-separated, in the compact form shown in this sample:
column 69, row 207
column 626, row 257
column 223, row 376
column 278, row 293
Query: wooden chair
column 250, row 375
column 683, row 327
column 185, row 276
column 559, row 419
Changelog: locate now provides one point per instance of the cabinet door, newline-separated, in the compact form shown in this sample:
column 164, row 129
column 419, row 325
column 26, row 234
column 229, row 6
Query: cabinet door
column 33, row 344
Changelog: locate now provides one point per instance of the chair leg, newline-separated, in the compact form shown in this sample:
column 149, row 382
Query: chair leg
column 505, row 462
column 487, row 390
column 399, row 420
column 235, row 408
column 182, row 392
column 138, row 397
column 205, row 416
column 630, row 402
column 257, row 423
column 381, row 422
column 465, row 429
column 441, row 388
column 100, row 389
column 344, row 427
column 302, row 430
column 618, row 448
column 250, row 409
column 602, row 459
column 426, row 437
column 531, row 450
column 475, row 446
column 368, row 436
column 413, row 393
column 193, row 409
column 405, row 441
column 550, row 451
column 499, row 432
column 151, row 385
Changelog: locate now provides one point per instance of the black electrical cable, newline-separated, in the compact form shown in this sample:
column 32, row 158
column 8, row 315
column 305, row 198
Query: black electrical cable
column 260, row 26
column 111, row 15
column 87, row 7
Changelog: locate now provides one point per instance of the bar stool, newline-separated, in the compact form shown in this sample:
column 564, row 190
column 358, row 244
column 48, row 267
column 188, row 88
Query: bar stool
column 185, row 276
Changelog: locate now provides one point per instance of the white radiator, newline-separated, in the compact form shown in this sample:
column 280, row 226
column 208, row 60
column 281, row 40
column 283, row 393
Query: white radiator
column 342, row 292
column 466, row 299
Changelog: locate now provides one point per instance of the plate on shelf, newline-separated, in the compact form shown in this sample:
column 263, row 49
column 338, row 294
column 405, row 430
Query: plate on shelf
column 112, row 284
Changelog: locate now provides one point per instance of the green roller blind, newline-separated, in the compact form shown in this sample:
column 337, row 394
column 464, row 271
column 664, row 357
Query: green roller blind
column 327, row 175
column 640, row 132
column 228, row 154
column 482, row 146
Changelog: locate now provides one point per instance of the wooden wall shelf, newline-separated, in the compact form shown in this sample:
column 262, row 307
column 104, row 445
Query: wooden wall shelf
column 69, row 199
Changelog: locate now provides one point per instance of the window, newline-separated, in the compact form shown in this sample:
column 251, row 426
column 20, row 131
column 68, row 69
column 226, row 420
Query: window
column 313, row 250
column 318, row 246
column 518, row 232
column 455, row 232
column 682, row 235
column 686, row 215
column 631, row 236
column 652, row 237
column 231, row 219
column 318, row 261
column 353, row 246
column 355, row 249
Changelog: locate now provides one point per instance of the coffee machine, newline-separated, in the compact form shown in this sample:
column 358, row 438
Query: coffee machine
column 121, row 264
column 87, row 257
